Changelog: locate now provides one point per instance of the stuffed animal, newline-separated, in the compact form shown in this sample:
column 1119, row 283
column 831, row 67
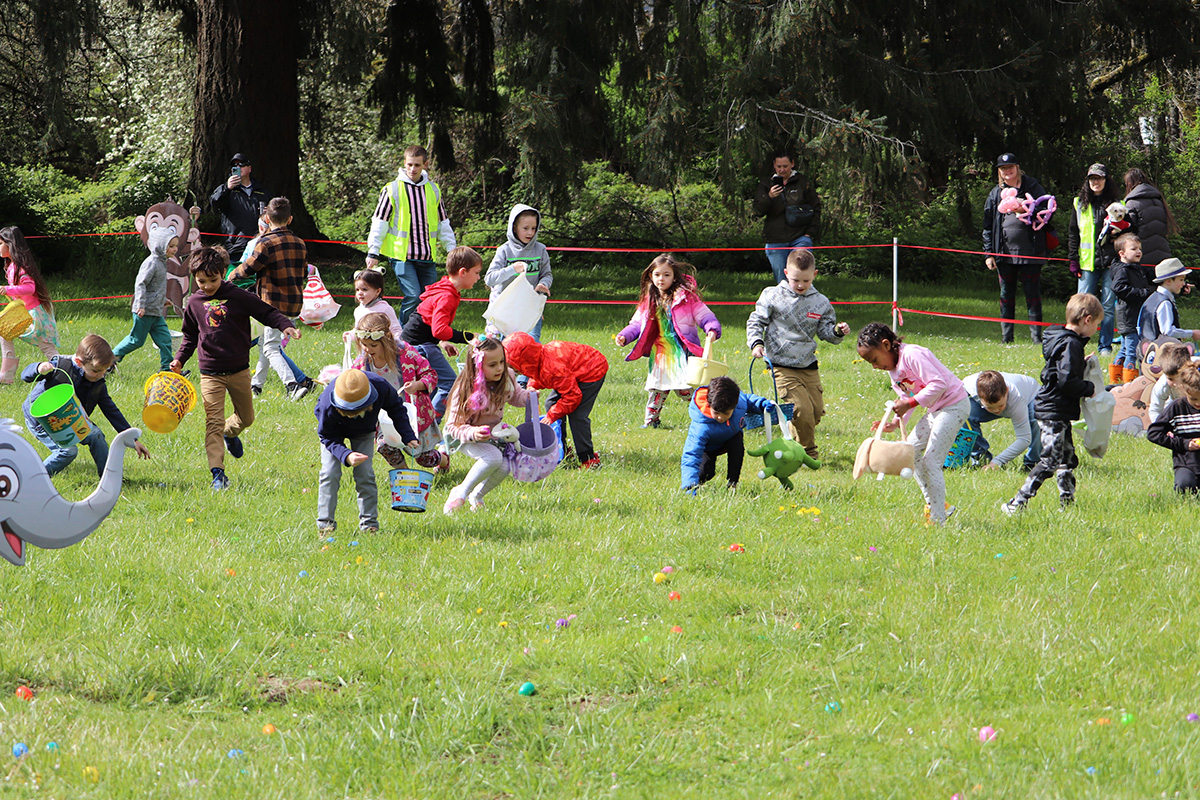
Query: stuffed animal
column 1009, row 203
column 781, row 457
column 885, row 457
column 1114, row 223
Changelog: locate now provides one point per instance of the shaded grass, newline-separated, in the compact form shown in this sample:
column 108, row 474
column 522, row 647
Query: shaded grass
column 153, row 645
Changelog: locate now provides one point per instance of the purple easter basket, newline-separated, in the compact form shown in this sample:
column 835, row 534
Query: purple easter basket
column 536, row 453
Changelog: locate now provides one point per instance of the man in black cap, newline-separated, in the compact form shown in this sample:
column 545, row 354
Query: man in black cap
column 240, row 201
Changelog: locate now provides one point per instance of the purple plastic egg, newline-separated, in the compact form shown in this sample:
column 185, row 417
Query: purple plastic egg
column 562, row 622
column 1193, row 717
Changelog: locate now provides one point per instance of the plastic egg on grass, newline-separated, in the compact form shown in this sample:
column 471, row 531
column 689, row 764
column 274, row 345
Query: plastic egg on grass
column 674, row 596
column 20, row 750
column 91, row 773
column 987, row 733
column 906, row 473
column 24, row 693
column 268, row 729
column 562, row 622
column 833, row 707
column 660, row 577
column 527, row 689
column 667, row 570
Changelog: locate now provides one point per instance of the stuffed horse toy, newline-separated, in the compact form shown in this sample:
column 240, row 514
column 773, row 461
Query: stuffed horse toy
column 782, row 457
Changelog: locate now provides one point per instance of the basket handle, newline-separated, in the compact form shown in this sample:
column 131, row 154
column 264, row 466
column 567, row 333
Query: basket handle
column 532, row 406
column 888, row 411
column 771, row 367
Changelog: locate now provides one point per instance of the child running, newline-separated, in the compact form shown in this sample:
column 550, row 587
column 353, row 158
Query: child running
column 149, row 298
column 368, row 291
column 406, row 371
column 25, row 283
column 217, row 323
column 1056, row 404
column 476, row 405
column 1178, row 430
column 920, row 379
column 665, row 328
column 432, row 326
column 86, row 373
column 348, row 410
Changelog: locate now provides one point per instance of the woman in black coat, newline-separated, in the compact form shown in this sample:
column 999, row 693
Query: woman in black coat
column 1150, row 217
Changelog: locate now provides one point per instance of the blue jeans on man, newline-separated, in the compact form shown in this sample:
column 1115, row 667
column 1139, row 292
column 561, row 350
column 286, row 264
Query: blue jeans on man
column 1101, row 286
column 980, row 414
column 445, row 374
column 414, row 276
column 60, row 457
column 778, row 252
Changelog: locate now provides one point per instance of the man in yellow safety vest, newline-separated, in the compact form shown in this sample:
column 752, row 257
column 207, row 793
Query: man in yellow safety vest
column 408, row 225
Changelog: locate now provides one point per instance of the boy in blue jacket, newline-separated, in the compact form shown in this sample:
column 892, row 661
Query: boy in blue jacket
column 349, row 411
column 718, row 413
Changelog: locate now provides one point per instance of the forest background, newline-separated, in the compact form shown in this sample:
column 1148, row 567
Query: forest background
column 643, row 123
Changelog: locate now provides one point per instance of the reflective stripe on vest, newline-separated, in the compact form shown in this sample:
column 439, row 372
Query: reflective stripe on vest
column 1087, row 238
column 395, row 241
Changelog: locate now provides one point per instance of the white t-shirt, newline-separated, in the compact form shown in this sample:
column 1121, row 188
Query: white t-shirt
column 1021, row 389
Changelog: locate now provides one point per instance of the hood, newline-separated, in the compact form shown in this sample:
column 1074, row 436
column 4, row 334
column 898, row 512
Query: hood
column 158, row 239
column 701, row 411
column 517, row 210
column 523, row 353
column 1144, row 191
column 402, row 176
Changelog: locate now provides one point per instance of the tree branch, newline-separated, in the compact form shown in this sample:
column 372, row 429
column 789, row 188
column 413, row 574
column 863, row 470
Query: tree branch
column 1099, row 84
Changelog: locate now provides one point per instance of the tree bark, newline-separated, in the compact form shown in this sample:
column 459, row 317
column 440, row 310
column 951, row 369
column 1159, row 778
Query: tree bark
column 248, row 99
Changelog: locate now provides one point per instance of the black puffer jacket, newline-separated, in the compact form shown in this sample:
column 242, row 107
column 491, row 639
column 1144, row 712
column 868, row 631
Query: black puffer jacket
column 1063, row 385
column 1148, row 215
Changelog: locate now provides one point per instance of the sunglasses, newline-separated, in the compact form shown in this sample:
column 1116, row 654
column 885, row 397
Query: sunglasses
column 239, row 164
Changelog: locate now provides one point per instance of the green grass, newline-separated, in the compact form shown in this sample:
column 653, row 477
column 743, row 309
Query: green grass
column 165, row 639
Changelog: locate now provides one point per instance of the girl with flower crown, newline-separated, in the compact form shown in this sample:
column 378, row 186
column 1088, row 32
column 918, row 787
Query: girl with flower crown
column 476, row 405
column 410, row 374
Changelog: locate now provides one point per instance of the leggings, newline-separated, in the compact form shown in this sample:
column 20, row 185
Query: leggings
column 656, row 398
column 485, row 474
column 932, row 439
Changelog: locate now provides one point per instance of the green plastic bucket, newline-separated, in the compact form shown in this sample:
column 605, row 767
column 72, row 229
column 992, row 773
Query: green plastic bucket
column 59, row 413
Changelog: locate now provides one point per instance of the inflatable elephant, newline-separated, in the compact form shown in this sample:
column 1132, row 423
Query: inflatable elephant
column 31, row 509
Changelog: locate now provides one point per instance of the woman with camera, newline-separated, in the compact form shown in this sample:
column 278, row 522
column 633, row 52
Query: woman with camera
column 792, row 210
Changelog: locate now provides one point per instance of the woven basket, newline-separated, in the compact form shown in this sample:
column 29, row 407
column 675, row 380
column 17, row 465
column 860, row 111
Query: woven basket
column 14, row 320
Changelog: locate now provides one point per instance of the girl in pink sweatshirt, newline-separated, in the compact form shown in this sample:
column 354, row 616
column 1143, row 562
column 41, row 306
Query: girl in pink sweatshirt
column 920, row 380
column 24, row 283
column 476, row 404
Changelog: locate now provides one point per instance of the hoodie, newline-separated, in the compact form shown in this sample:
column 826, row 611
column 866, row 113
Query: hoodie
column 419, row 233
column 1063, row 385
column 560, row 366
column 705, row 434
column 788, row 325
column 500, row 272
column 150, row 289
column 434, row 318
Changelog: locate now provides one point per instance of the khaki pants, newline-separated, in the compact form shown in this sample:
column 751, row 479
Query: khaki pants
column 803, row 388
column 216, row 425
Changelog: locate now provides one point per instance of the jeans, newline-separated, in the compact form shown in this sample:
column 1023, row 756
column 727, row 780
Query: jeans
column 446, row 375
column 413, row 276
column 159, row 333
column 1129, row 350
column 1101, row 286
column 60, row 457
column 980, row 414
column 778, row 252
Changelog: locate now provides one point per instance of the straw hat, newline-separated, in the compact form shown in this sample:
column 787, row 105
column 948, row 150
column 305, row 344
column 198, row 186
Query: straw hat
column 353, row 390
column 1169, row 268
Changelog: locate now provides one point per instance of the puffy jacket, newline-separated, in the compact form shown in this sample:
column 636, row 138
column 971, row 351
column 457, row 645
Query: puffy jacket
column 1148, row 212
column 705, row 434
column 1063, row 385
column 434, row 319
column 993, row 223
column 689, row 315
column 797, row 191
column 560, row 366
column 1132, row 285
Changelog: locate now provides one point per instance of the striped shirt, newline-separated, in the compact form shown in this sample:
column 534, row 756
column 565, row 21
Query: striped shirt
column 419, row 232
column 1174, row 428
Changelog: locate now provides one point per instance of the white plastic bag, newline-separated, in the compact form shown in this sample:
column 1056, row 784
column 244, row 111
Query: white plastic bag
column 391, row 435
column 1097, row 411
column 517, row 308
column 319, row 306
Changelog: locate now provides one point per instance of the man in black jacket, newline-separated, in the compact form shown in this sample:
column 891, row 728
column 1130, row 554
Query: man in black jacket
column 240, row 201
column 792, row 210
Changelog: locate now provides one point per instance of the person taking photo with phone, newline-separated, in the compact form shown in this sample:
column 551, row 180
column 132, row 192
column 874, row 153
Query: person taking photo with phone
column 792, row 210
column 239, row 200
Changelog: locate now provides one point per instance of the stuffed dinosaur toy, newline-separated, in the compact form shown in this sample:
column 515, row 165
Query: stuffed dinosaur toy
column 781, row 457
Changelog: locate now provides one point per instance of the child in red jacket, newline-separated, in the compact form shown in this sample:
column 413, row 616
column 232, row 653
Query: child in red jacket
column 574, row 373
column 431, row 327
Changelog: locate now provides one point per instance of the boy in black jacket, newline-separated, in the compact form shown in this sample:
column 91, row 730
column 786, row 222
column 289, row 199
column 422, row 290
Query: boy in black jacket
column 1056, row 405
column 1178, row 429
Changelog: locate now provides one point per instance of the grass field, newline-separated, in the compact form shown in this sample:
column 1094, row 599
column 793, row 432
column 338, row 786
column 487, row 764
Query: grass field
column 850, row 651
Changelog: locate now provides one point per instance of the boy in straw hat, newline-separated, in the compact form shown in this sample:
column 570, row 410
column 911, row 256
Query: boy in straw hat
column 1158, row 316
column 349, row 410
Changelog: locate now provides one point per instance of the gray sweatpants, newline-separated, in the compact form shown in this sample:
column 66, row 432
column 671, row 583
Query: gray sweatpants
column 364, row 485
column 932, row 439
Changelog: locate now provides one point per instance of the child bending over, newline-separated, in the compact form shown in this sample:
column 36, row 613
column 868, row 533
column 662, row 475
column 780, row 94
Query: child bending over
column 1178, row 430
column 718, row 413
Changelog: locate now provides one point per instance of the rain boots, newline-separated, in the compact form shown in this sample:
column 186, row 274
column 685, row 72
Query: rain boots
column 1115, row 373
column 1129, row 375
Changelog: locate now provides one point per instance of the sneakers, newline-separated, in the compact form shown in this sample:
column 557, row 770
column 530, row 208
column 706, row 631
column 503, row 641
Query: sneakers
column 234, row 445
column 476, row 503
column 310, row 384
column 295, row 391
column 652, row 424
column 950, row 512
column 255, row 390
column 325, row 529
column 591, row 463
column 368, row 529
column 219, row 482
column 1012, row 507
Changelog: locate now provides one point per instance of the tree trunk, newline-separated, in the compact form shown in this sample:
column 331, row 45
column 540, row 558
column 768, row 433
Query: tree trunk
column 248, row 99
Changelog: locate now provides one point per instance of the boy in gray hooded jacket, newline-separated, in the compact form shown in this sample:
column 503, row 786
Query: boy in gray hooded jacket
column 149, row 297
column 522, row 254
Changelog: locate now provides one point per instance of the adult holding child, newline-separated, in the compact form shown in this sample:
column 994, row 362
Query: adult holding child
column 1090, row 255
column 409, row 223
column 1014, row 250
column 792, row 211
column 1147, row 210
